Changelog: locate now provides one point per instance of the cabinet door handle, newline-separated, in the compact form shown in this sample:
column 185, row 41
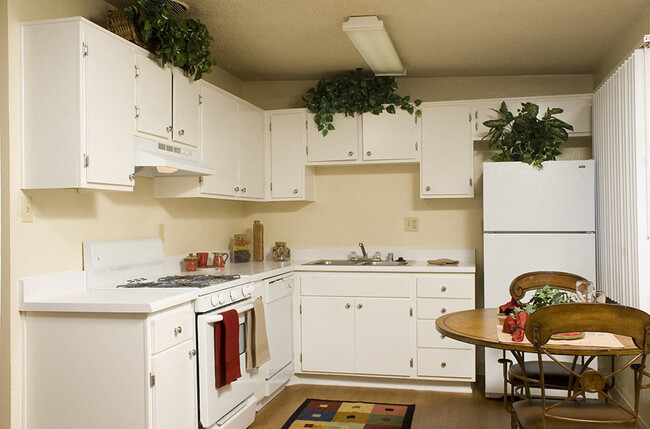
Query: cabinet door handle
column 295, row 191
column 428, row 188
column 236, row 188
column 443, row 289
column 443, row 364
column 350, row 153
column 443, row 310
column 347, row 305
column 131, row 177
column 181, row 132
column 359, row 305
column 192, row 353
column 177, row 331
column 169, row 129
column 368, row 153
column 442, row 337
column 243, row 189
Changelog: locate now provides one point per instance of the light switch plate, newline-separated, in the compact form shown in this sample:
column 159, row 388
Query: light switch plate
column 412, row 224
column 27, row 209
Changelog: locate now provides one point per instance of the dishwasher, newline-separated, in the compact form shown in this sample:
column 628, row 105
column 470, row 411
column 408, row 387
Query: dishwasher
column 278, row 302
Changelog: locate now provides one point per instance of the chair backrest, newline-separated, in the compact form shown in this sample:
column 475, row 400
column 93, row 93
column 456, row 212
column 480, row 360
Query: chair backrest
column 538, row 279
column 583, row 317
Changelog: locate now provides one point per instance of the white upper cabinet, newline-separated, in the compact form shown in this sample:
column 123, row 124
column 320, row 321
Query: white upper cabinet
column 185, row 109
column 290, row 180
column 390, row 136
column 78, row 114
column 447, row 165
column 167, row 103
column 340, row 144
column 153, row 97
column 252, row 177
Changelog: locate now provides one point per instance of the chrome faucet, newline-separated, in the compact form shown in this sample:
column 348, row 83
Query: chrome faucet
column 363, row 251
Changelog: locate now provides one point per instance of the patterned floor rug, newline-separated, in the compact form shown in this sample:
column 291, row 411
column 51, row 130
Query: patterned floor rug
column 320, row 414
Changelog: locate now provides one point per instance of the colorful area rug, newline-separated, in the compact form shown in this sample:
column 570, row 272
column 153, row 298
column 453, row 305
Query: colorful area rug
column 320, row 414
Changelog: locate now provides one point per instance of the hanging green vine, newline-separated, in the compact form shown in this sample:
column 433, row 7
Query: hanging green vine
column 183, row 42
column 353, row 93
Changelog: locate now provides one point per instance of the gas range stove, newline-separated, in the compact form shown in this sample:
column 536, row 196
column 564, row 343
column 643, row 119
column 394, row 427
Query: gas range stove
column 197, row 281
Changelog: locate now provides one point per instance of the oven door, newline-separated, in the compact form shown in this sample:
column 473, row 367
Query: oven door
column 215, row 403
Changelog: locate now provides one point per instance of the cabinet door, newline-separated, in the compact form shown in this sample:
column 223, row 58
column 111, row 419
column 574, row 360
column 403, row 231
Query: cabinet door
column 341, row 144
column 109, row 112
column 287, row 155
column 251, row 153
column 220, row 142
column 185, row 109
column 382, row 328
column 447, row 164
column 390, row 137
column 577, row 111
column 328, row 334
column 485, row 111
column 153, row 97
column 174, row 391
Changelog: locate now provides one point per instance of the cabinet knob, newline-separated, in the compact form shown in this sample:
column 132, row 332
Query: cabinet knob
column 236, row 188
column 443, row 310
column 368, row 153
column 192, row 353
column 443, row 289
column 243, row 189
column 443, row 364
column 359, row 305
column 442, row 337
column 169, row 129
column 177, row 331
column 428, row 188
column 350, row 153
column 132, row 177
column 295, row 191
column 347, row 305
column 181, row 132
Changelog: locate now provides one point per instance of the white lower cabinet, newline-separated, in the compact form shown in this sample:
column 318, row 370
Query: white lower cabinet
column 144, row 366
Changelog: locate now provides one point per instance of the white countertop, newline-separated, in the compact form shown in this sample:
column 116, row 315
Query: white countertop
column 67, row 292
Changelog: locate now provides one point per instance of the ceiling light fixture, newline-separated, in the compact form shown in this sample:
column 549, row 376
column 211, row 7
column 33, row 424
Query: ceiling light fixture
column 371, row 39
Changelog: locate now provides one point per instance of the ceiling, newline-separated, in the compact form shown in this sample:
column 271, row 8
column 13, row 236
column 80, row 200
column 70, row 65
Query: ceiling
column 302, row 39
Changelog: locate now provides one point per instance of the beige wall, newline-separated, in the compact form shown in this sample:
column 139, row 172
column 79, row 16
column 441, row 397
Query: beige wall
column 64, row 219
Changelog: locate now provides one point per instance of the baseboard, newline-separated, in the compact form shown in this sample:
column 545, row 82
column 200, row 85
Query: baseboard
column 386, row 383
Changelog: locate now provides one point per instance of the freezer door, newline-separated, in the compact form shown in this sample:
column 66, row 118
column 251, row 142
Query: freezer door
column 520, row 198
column 509, row 255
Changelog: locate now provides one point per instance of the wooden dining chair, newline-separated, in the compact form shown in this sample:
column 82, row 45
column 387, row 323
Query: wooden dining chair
column 520, row 376
column 569, row 412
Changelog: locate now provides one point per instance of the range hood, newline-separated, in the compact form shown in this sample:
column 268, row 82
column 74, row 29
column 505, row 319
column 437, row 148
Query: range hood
column 155, row 159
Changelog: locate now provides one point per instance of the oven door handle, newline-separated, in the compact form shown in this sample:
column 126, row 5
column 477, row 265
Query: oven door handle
column 219, row 317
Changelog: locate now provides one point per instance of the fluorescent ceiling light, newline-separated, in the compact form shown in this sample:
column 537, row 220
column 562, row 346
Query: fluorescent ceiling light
column 369, row 36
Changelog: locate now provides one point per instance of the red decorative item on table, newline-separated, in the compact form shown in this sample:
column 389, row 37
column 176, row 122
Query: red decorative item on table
column 191, row 262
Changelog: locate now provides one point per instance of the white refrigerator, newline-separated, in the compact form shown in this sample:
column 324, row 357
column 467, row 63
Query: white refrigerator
column 534, row 220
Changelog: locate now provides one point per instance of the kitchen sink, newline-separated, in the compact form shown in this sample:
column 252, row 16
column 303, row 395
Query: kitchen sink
column 358, row 262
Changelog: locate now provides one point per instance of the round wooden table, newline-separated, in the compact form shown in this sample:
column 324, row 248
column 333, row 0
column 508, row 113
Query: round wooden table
column 478, row 327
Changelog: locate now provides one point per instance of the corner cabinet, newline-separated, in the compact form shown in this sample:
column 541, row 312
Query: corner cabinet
column 143, row 365
column 447, row 164
column 289, row 178
column 78, row 109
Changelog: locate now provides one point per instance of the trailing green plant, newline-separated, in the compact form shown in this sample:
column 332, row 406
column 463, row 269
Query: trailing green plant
column 545, row 296
column 353, row 93
column 525, row 137
column 183, row 42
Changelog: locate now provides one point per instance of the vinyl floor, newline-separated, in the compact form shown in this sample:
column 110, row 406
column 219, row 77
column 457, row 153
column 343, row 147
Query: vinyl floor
column 433, row 410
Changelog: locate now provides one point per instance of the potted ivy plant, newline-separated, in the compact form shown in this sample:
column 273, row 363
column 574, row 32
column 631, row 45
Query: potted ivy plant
column 525, row 137
column 183, row 42
column 353, row 93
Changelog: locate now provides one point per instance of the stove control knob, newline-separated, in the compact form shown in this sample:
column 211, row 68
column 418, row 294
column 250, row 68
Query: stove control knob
column 222, row 298
column 234, row 294
column 248, row 290
column 214, row 300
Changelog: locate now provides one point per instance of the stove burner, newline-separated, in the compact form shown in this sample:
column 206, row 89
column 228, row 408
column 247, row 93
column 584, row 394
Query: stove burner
column 181, row 281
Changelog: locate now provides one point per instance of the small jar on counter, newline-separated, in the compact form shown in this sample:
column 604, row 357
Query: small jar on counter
column 191, row 262
column 281, row 252
column 241, row 248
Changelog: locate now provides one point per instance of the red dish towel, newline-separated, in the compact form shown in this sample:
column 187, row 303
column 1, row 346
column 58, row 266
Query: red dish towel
column 226, row 349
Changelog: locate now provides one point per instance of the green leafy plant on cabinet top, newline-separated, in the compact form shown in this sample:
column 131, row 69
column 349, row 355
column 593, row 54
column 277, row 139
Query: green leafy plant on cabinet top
column 353, row 93
column 525, row 137
column 183, row 42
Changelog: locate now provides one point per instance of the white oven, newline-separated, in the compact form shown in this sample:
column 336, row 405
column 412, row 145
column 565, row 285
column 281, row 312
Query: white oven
column 231, row 406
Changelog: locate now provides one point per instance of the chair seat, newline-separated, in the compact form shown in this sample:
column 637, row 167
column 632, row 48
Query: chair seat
column 554, row 374
column 529, row 414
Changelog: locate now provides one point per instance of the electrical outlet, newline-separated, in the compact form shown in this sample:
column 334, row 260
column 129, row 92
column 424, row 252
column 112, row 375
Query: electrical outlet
column 412, row 224
column 27, row 209
column 161, row 231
